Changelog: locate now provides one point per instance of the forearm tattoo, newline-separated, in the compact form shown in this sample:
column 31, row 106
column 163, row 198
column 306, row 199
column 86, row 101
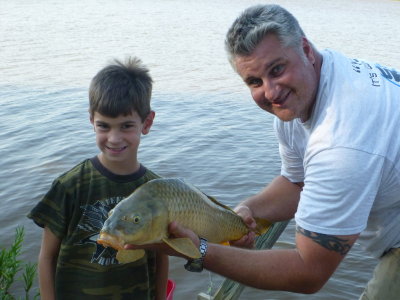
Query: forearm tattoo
column 329, row 242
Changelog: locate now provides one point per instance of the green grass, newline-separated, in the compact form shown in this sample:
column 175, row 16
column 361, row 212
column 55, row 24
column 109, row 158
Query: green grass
column 11, row 267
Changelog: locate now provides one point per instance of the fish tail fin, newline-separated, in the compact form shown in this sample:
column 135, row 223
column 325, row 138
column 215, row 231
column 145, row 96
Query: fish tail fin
column 262, row 226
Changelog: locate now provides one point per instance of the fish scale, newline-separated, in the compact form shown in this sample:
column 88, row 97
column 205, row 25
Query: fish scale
column 199, row 212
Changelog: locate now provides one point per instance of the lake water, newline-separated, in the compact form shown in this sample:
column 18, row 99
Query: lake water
column 207, row 129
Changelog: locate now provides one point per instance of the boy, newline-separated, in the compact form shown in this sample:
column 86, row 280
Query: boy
column 71, row 264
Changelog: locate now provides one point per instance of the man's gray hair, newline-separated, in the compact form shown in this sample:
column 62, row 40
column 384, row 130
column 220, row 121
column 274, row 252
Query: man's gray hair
column 256, row 22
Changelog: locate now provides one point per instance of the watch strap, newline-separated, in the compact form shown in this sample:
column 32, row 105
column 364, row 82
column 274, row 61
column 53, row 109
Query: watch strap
column 196, row 265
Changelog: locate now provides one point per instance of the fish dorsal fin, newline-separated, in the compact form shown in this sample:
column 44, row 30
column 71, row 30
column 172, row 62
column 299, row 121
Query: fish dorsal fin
column 184, row 246
column 212, row 199
column 127, row 256
column 218, row 203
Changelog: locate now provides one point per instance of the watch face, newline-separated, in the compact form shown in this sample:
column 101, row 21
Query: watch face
column 194, row 265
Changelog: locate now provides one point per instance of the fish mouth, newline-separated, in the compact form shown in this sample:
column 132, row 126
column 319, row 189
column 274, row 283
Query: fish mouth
column 109, row 240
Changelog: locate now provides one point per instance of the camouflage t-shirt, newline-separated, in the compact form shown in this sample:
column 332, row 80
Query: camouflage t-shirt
column 74, row 209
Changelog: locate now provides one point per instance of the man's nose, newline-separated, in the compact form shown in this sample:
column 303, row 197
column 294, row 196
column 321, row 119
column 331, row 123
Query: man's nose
column 271, row 90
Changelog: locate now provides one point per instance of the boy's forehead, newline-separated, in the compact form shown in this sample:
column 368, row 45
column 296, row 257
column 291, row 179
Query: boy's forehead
column 132, row 117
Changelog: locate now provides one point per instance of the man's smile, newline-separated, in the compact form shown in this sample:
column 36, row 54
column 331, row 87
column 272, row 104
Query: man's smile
column 281, row 100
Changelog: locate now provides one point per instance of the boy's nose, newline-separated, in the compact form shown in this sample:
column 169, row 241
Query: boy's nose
column 114, row 136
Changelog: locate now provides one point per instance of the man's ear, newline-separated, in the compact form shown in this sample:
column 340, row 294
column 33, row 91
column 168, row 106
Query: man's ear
column 308, row 50
column 148, row 122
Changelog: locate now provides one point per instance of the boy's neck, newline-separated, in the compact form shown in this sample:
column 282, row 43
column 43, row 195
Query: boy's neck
column 119, row 168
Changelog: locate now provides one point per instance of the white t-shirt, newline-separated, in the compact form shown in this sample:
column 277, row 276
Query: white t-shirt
column 348, row 154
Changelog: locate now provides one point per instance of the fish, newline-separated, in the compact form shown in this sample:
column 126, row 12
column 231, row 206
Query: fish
column 143, row 217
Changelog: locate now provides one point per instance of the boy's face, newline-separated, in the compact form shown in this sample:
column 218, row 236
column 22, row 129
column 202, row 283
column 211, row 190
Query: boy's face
column 118, row 139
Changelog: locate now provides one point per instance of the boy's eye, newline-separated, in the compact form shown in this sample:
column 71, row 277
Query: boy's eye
column 127, row 126
column 101, row 126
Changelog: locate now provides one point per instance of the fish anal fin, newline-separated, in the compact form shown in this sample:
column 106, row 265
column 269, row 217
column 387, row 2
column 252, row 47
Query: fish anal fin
column 262, row 226
column 184, row 246
column 127, row 256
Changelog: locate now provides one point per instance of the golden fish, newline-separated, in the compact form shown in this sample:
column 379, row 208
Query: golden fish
column 143, row 218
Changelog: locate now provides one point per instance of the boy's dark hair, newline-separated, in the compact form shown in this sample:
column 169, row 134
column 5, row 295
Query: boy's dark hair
column 120, row 89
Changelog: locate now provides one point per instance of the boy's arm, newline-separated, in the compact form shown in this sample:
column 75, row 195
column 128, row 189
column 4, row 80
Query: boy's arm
column 161, row 275
column 47, row 264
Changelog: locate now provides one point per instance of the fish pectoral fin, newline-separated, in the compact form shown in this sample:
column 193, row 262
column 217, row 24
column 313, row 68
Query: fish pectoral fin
column 184, row 246
column 127, row 256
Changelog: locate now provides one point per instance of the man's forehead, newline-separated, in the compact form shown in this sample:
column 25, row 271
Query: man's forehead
column 267, row 45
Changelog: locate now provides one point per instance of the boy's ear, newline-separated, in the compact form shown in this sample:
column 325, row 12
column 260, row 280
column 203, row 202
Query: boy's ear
column 148, row 122
column 92, row 122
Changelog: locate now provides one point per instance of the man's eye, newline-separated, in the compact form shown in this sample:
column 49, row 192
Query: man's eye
column 254, row 82
column 277, row 70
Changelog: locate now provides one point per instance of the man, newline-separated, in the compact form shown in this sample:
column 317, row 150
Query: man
column 337, row 123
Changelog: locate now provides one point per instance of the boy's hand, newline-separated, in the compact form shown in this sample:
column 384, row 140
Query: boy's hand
column 248, row 240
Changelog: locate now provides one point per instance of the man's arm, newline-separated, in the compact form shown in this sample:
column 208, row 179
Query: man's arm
column 276, row 202
column 47, row 264
column 303, row 270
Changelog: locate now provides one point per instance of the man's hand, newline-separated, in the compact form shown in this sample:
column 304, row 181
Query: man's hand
column 248, row 240
column 176, row 231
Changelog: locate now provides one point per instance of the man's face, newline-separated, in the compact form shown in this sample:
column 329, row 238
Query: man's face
column 282, row 80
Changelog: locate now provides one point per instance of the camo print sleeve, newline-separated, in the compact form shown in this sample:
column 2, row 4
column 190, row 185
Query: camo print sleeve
column 50, row 212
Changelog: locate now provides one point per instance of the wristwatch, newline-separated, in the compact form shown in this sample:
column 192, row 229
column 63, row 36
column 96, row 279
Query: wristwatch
column 196, row 265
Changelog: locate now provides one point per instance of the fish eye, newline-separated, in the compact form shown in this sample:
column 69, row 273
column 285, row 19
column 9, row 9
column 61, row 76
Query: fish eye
column 135, row 219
